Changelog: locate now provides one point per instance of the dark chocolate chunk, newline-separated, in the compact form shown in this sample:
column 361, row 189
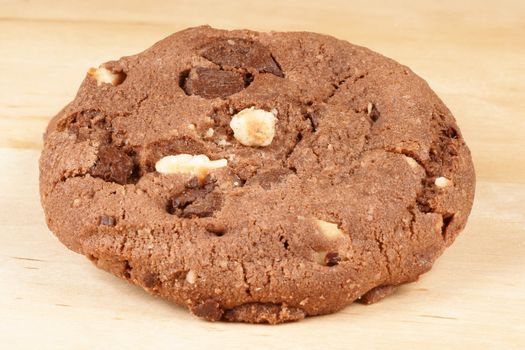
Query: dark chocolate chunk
column 212, row 83
column 332, row 259
column 203, row 206
column 208, row 310
column 241, row 53
column 113, row 165
column 150, row 280
column 195, row 202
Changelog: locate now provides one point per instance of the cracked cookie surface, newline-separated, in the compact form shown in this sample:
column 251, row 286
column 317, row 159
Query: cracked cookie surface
column 342, row 175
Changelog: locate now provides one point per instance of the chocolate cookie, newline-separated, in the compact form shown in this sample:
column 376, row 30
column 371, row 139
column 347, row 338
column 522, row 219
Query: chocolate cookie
column 257, row 177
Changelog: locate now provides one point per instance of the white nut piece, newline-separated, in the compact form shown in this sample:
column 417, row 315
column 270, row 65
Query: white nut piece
column 222, row 142
column 254, row 127
column 329, row 229
column 442, row 182
column 412, row 162
column 369, row 108
column 105, row 76
column 209, row 133
column 191, row 277
column 198, row 165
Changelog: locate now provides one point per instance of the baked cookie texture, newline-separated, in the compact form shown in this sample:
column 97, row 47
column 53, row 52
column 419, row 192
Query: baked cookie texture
column 342, row 176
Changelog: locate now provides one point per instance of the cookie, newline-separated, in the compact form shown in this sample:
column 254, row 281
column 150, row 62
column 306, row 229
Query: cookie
column 257, row 177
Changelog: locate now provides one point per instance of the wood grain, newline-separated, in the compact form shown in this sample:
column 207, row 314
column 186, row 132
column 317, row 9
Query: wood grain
column 472, row 54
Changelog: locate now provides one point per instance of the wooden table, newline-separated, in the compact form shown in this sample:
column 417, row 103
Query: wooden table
column 471, row 52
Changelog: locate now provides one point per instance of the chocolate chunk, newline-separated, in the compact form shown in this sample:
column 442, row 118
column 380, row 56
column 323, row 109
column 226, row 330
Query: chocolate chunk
column 209, row 310
column 241, row 53
column 203, row 207
column 113, row 165
column 212, row 83
column 194, row 182
column 150, row 280
column 248, row 78
column 195, row 202
column 177, row 204
column 332, row 259
column 107, row 220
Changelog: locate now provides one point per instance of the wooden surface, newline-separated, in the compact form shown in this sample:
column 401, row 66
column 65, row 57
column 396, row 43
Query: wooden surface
column 471, row 52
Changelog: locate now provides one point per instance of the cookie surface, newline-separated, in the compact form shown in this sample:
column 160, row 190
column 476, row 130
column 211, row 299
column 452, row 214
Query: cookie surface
column 257, row 177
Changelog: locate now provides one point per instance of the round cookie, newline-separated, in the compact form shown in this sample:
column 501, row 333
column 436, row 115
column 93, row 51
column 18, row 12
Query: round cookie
column 257, row 177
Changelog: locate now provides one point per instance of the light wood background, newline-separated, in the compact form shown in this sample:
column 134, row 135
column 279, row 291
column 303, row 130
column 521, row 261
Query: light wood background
column 471, row 52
